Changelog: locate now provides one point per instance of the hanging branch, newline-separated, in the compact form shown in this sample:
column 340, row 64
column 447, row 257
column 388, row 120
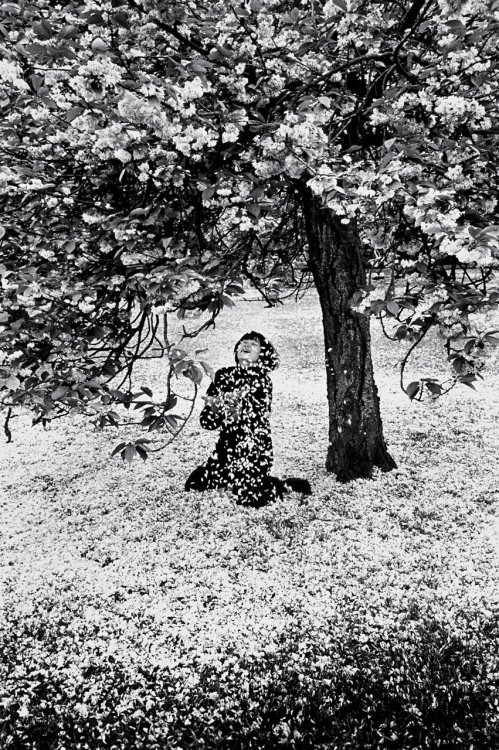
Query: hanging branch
column 381, row 319
column 186, row 419
column 408, row 354
column 6, row 427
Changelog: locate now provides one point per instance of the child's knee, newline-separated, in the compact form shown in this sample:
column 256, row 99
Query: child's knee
column 197, row 480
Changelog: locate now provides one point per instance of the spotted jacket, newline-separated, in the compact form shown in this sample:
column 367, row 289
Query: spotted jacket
column 243, row 455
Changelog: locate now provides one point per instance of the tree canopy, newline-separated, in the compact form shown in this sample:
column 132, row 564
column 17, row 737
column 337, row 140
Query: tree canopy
column 155, row 155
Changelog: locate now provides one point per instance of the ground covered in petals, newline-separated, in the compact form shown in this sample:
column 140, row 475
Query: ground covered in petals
column 136, row 615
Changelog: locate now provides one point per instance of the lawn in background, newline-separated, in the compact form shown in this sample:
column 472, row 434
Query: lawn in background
column 136, row 615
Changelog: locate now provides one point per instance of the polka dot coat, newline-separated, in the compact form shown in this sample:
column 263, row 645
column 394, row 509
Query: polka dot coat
column 243, row 455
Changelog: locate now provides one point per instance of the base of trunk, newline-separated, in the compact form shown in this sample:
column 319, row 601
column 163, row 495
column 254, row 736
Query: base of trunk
column 360, row 467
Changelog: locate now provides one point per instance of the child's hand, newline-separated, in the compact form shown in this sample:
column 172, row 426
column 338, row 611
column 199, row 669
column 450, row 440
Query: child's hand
column 230, row 403
column 231, row 399
column 214, row 402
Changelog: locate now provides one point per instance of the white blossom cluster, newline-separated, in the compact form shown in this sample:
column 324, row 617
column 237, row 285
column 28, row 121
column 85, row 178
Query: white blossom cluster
column 453, row 110
column 11, row 75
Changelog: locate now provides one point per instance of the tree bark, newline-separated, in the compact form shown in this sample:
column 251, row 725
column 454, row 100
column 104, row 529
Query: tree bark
column 356, row 442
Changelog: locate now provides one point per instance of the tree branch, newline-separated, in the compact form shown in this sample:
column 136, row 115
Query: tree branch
column 6, row 427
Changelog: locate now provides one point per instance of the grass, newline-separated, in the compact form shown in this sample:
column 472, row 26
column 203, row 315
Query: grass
column 366, row 616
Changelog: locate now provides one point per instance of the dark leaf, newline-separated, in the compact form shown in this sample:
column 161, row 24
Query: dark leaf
column 469, row 346
column 194, row 373
column 129, row 453
column 412, row 389
column 234, row 289
column 118, row 449
column 141, row 404
column 122, row 20
column 468, row 380
column 93, row 17
column 68, row 32
column 43, row 29
column 208, row 193
column 59, row 392
column 378, row 306
column 434, row 388
column 171, row 402
column 73, row 113
column 458, row 363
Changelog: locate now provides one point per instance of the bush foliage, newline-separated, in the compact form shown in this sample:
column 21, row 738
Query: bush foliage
column 419, row 685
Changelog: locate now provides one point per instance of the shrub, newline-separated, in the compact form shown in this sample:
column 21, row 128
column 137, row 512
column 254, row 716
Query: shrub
column 414, row 686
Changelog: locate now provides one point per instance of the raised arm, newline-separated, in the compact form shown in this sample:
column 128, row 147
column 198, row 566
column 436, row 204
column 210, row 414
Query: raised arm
column 211, row 418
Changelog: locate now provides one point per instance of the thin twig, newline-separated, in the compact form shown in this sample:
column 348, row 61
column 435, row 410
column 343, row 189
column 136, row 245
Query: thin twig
column 174, row 437
column 408, row 354
column 6, row 427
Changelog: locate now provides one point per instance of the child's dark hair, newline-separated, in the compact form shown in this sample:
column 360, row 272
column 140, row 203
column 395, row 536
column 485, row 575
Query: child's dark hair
column 269, row 358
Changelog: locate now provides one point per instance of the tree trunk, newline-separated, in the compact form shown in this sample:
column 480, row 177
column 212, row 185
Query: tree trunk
column 356, row 442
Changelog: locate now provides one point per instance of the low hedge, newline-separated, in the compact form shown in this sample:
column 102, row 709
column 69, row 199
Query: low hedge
column 419, row 685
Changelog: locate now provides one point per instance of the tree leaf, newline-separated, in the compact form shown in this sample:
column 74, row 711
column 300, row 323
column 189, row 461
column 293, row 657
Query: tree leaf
column 99, row 45
column 413, row 389
column 172, row 421
column 118, row 449
column 392, row 307
column 93, row 17
column 469, row 345
column 434, row 388
column 458, row 363
column 43, row 29
column 208, row 192
column 59, row 392
column 129, row 453
column 469, row 383
column 122, row 20
column 142, row 452
column 69, row 32
column 177, row 355
column 208, row 369
column 73, row 113
column 234, row 289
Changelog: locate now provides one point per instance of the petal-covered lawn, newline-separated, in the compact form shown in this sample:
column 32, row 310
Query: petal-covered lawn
column 114, row 575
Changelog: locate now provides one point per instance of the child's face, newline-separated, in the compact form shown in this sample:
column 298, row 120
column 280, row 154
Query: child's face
column 248, row 352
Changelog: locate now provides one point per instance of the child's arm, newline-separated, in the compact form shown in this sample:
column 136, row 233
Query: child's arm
column 211, row 418
column 221, row 406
